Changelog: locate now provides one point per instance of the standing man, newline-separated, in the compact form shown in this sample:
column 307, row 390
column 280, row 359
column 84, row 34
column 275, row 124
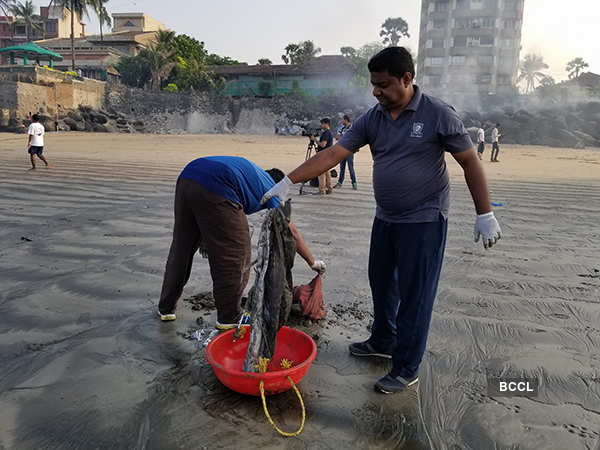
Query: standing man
column 35, row 141
column 495, row 147
column 325, row 141
column 349, row 160
column 212, row 197
column 409, row 133
column 481, row 140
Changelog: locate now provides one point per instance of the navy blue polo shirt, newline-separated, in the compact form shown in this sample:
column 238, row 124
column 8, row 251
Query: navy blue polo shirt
column 410, row 178
column 234, row 178
column 327, row 137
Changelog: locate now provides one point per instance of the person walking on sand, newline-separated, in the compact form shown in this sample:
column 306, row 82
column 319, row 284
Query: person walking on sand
column 325, row 141
column 408, row 133
column 495, row 147
column 212, row 197
column 346, row 124
column 35, row 141
column 481, row 141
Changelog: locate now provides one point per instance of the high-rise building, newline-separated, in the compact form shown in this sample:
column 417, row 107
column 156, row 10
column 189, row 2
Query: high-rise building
column 469, row 48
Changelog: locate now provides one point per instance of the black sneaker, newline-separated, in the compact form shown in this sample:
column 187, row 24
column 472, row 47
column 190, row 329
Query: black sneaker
column 391, row 385
column 366, row 349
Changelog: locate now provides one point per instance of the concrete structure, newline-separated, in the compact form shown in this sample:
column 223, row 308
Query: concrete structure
column 325, row 73
column 469, row 47
column 138, row 22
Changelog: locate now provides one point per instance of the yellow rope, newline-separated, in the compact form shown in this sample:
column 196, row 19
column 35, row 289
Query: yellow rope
column 264, row 402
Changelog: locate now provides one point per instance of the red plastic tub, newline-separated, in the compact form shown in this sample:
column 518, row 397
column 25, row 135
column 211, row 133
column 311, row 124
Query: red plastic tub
column 227, row 359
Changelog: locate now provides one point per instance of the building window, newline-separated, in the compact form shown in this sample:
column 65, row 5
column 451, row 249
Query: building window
column 506, row 62
column 51, row 27
column 442, row 5
column 20, row 30
column 462, row 4
column 433, row 80
column 510, row 24
column 485, row 60
column 476, row 4
column 434, row 61
column 488, row 22
column 460, row 41
column 461, row 23
column 504, row 79
column 458, row 60
column 439, row 24
column 437, row 43
column 128, row 24
column 480, row 41
column 485, row 78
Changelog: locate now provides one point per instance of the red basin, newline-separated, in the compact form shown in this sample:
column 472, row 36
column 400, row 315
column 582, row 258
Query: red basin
column 227, row 359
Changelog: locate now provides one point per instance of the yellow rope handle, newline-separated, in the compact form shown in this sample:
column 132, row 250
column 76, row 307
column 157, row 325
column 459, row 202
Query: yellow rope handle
column 264, row 402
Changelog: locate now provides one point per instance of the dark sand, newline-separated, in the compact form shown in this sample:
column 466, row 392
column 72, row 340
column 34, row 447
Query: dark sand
column 85, row 363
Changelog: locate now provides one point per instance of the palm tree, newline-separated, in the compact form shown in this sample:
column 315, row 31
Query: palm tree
column 24, row 14
column 5, row 6
column 78, row 7
column 575, row 66
column 165, row 39
column 531, row 67
column 161, row 61
column 102, row 14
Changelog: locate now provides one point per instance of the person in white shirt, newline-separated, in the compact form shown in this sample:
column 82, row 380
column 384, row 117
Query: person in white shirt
column 481, row 140
column 495, row 148
column 35, row 142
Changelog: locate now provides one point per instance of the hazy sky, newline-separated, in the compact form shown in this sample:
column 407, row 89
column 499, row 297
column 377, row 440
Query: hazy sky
column 247, row 30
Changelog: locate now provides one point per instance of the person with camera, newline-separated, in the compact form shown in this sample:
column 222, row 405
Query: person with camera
column 346, row 124
column 409, row 133
column 324, row 142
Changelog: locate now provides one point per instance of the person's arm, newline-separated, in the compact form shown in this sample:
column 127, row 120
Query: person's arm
column 319, row 163
column 304, row 252
column 475, row 178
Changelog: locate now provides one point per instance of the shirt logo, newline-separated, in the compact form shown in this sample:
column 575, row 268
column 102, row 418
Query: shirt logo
column 417, row 130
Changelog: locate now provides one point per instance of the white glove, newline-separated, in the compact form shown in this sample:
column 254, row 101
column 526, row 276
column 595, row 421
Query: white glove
column 280, row 190
column 488, row 228
column 319, row 266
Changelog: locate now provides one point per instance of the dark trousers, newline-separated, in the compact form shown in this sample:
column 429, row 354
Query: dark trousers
column 220, row 225
column 405, row 261
column 495, row 148
column 350, row 161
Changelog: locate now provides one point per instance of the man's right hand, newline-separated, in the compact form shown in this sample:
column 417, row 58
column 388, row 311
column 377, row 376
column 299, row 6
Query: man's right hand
column 281, row 190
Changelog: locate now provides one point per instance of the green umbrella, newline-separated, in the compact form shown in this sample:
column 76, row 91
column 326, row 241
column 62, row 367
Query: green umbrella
column 31, row 48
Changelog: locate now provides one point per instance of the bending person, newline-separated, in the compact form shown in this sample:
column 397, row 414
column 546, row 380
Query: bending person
column 212, row 197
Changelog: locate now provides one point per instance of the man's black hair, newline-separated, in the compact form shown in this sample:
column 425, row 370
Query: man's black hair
column 396, row 60
column 347, row 117
column 35, row 117
column 326, row 120
column 497, row 125
column 276, row 174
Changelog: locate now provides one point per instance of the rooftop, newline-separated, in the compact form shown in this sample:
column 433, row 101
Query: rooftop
column 326, row 64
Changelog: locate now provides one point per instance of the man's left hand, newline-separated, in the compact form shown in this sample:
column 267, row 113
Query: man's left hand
column 487, row 227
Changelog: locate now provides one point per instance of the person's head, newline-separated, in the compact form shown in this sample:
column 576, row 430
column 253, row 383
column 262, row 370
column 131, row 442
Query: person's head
column 346, row 119
column 497, row 125
column 483, row 126
column 35, row 118
column 325, row 123
column 392, row 73
column 276, row 174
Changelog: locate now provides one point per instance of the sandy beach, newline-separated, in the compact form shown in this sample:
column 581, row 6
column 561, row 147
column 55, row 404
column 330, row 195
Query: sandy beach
column 85, row 363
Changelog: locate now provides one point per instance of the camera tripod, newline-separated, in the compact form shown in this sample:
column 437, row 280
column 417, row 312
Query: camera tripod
column 312, row 145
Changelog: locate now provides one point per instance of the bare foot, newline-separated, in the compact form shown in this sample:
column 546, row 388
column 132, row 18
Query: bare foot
column 47, row 166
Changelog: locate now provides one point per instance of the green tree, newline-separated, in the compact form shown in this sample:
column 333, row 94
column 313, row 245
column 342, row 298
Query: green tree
column 134, row 70
column 360, row 58
column 191, row 74
column 216, row 60
column 161, row 61
column 102, row 13
column 394, row 29
column 531, row 71
column 24, row 14
column 5, row 6
column 188, row 48
column 300, row 53
column 264, row 62
column 575, row 66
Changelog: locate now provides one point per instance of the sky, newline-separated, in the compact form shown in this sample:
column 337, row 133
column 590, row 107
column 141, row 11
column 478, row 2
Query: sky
column 248, row 30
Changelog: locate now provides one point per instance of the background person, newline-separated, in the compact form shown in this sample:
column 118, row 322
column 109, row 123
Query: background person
column 325, row 141
column 346, row 124
column 212, row 198
column 481, row 141
column 495, row 147
column 408, row 133
column 35, row 141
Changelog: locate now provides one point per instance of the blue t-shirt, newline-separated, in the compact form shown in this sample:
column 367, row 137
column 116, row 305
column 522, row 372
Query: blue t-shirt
column 234, row 178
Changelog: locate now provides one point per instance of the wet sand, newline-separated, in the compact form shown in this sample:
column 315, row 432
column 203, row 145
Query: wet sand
column 86, row 364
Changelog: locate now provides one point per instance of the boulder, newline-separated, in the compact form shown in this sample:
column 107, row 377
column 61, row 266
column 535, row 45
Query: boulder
column 62, row 126
column 98, row 118
column 98, row 128
column 75, row 115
